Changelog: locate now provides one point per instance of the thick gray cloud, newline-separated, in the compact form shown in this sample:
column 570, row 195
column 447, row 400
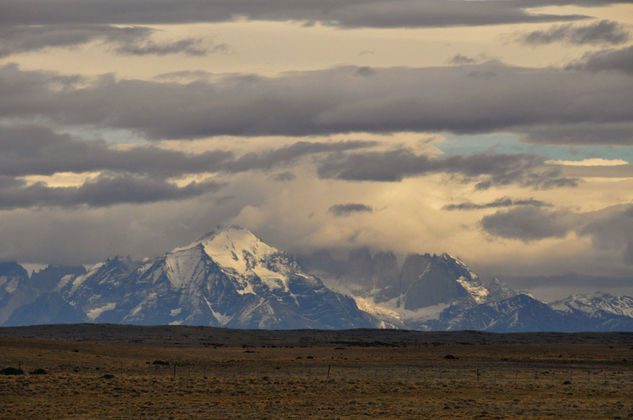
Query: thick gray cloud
column 528, row 224
column 267, row 160
column 607, row 60
column 188, row 46
column 284, row 176
column 589, row 134
column 500, row 202
column 460, row 59
column 328, row 101
column 340, row 210
column 601, row 32
column 134, row 40
column 350, row 13
column 106, row 190
column 610, row 229
column 394, row 165
column 83, row 234
column 34, row 150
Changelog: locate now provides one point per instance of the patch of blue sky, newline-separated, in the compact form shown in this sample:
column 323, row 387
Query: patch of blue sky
column 112, row 136
column 510, row 143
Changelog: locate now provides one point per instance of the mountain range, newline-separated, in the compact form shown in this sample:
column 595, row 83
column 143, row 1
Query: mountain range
column 231, row 278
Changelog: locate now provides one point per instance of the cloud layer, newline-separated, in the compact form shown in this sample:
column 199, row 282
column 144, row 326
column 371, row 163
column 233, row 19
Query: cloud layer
column 351, row 13
column 601, row 32
column 329, row 101
column 131, row 40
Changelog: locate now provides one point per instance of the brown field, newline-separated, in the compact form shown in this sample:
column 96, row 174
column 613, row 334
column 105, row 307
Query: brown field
column 215, row 373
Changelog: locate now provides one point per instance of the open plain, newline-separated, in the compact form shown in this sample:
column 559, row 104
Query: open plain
column 108, row 371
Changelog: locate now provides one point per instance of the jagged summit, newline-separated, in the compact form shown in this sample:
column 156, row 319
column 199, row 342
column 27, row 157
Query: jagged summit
column 229, row 277
column 232, row 278
column 596, row 304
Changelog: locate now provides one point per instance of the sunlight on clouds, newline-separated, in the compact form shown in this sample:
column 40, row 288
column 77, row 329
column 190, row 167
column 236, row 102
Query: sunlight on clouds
column 589, row 162
column 62, row 179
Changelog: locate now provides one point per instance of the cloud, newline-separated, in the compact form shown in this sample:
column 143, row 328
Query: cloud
column 610, row 229
column 106, row 190
column 131, row 40
column 188, row 46
column 598, row 134
column 269, row 159
column 606, row 60
column 528, row 224
column 394, row 165
column 328, row 101
column 35, row 150
column 460, row 59
column 500, row 202
column 601, row 32
column 284, row 177
column 352, row 13
column 340, row 210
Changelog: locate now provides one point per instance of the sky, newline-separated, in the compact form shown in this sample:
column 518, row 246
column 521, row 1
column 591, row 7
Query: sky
column 499, row 131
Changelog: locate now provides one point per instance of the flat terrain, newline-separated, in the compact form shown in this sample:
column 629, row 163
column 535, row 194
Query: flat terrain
column 106, row 371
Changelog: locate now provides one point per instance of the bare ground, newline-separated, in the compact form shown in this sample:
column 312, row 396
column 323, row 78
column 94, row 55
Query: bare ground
column 131, row 372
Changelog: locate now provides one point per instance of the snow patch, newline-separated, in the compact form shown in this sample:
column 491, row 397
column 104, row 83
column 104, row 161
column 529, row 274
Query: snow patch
column 32, row 267
column 175, row 312
column 391, row 309
column 477, row 292
column 183, row 265
column 80, row 279
column 93, row 314
column 12, row 285
column 64, row 280
column 222, row 319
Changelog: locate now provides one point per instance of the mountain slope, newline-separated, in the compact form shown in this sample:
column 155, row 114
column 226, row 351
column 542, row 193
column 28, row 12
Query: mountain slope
column 231, row 278
column 228, row 278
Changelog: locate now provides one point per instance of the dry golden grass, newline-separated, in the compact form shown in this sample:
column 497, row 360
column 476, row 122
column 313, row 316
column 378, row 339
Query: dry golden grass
column 287, row 381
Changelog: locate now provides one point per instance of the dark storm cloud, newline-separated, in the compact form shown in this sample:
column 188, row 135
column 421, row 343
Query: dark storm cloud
column 607, row 60
column 350, row 13
column 188, row 46
column 340, row 210
column 133, row 40
column 105, row 190
column 460, row 59
column 501, row 202
column 23, row 38
column 326, row 101
column 610, row 229
column 284, row 177
column 528, row 224
column 268, row 159
column 590, row 134
column 33, row 150
column 602, row 32
column 394, row 165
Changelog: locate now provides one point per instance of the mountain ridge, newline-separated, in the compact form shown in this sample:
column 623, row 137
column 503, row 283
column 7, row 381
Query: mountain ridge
column 231, row 278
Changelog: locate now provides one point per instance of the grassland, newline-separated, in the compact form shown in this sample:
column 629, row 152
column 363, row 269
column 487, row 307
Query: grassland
column 215, row 373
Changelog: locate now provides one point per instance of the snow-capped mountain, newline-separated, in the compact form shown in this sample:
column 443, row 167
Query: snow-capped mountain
column 595, row 304
column 406, row 295
column 232, row 278
column 228, row 278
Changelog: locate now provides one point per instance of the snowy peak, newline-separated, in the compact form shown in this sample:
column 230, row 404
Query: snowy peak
column 598, row 302
column 236, row 248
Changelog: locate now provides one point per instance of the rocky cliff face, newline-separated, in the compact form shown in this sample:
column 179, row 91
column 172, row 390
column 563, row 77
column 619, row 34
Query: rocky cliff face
column 231, row 278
